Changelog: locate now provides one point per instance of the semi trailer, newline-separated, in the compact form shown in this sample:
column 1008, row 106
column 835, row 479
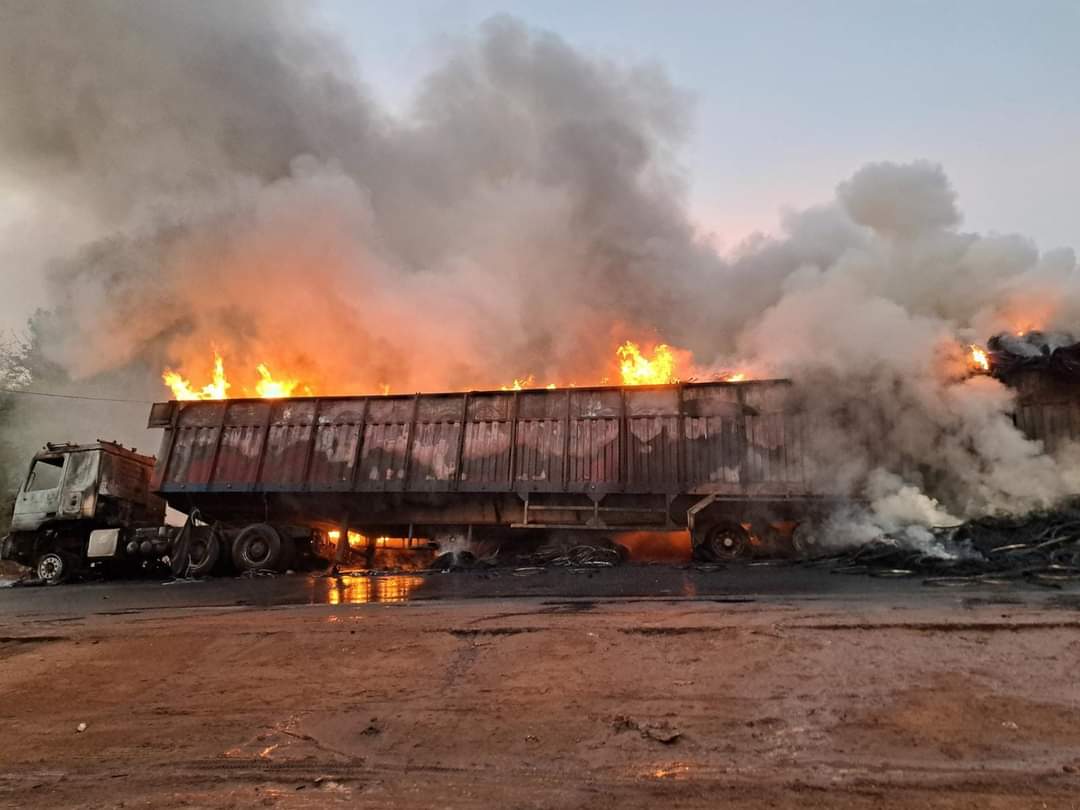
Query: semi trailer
column 263, row 481
column 267, row 479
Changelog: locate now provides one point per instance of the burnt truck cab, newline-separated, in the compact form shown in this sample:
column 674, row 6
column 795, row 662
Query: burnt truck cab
column 76, row 502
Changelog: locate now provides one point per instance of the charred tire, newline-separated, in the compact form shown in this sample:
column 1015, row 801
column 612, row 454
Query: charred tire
column 258, row 547
column 52, row 567
column 725, row 541
column 204, row 551
column 804, row 539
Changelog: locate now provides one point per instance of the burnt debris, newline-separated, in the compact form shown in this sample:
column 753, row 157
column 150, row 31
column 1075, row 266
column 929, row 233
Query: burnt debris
column 1055, row 352
column 1041, row 547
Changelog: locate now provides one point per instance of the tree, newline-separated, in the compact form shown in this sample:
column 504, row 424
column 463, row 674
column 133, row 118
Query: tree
column 14, row 376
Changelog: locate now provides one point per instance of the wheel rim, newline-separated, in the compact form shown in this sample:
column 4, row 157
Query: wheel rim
column 728, row 542
column 50, row 567
column 257, row 551
column 198, row 552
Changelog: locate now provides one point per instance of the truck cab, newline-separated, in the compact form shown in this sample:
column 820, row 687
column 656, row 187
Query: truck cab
column 73, row 492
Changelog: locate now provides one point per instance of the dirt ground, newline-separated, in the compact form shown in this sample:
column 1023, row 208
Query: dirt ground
column 545, row 703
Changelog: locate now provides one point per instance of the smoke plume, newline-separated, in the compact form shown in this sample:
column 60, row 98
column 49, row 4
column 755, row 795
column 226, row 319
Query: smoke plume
column 215, row 175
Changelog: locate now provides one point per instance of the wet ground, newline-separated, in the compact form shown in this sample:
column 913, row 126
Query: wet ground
column 636, row 686
column 734, row 583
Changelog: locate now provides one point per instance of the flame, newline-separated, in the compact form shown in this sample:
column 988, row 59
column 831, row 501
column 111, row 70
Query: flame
column 218, row 388
column 637, row 368
column 734, row 376
column 357, row 540
column 978, row 360
column 269, row 388
column 519, row 385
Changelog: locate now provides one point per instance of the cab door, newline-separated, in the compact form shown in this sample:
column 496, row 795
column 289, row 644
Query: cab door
column 61, row 486
column 39, row 499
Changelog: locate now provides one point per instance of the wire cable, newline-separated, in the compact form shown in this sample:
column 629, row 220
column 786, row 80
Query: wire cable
column 28, row 393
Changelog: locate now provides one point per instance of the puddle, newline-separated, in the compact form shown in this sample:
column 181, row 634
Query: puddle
column 362, row 590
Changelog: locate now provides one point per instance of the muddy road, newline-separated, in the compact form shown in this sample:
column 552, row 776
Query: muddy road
column 617, row 688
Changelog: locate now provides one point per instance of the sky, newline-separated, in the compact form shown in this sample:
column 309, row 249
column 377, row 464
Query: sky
column 792, row 97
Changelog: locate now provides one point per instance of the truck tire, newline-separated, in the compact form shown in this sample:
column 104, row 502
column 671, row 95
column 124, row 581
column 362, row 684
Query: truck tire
column 724, row 541
column 53, row 567
column 258, row 547
column 204, row 550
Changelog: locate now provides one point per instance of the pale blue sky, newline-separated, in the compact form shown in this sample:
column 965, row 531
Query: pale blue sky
column 792, row 97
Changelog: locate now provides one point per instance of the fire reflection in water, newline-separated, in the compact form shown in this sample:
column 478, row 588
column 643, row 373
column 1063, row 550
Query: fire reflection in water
column 359, row 590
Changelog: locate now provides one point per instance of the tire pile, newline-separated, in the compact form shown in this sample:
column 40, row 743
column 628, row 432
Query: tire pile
column 1042, row 548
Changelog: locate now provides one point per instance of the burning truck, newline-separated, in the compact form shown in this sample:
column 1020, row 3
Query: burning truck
column 272, row 478
column 264, row 480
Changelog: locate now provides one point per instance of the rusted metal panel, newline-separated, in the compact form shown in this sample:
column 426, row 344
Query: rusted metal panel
column 333, row 457
column 195, row 441
column 713, row 425
column 693, row 438
column 288, row 444
column 240, row 446
column 540, row 440
column 594, row 442
column 652, row 437
column 382, row 456
column 485, row 447
column 1048, row 407
column 434, row 455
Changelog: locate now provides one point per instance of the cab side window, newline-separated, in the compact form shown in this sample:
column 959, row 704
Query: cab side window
column 45, row 474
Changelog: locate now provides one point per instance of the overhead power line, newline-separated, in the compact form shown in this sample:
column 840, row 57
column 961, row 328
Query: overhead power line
column 28, row 393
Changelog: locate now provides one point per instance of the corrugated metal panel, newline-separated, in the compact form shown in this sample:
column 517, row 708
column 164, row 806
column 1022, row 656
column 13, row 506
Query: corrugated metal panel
column 713, row 426
column 1048, row 408
column 664, row 440
column 333, row 459
column 382, row 456
column 653, row 461
column 652, row 453
column 773, row 436
column 434, row 455
column 593, row 450
column 487, row 455
column 191, row 458
column 538, row 454
column 288, row 444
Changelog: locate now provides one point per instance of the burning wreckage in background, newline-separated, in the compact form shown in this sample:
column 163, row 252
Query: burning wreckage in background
column 265, row 480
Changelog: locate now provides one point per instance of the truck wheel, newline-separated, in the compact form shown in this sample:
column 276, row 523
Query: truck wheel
column 258, row 547
column 52, row 568
column 726, row 541
column 204, row 549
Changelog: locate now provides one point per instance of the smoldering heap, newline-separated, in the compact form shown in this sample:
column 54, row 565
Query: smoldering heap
column 205, row 173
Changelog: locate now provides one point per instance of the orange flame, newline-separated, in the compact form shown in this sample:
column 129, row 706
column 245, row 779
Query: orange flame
column 978, row 360
column 218, row 388
column 357, row 540
column 269, row 388
column 520, row 385
column 637, row 368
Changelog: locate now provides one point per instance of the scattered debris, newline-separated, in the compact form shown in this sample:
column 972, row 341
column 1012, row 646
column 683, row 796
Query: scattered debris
column 1041, row 547
column 581, row 555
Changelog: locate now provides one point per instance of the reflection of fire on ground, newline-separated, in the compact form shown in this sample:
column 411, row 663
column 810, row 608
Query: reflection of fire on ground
column 358, row 590
column 657, row 546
